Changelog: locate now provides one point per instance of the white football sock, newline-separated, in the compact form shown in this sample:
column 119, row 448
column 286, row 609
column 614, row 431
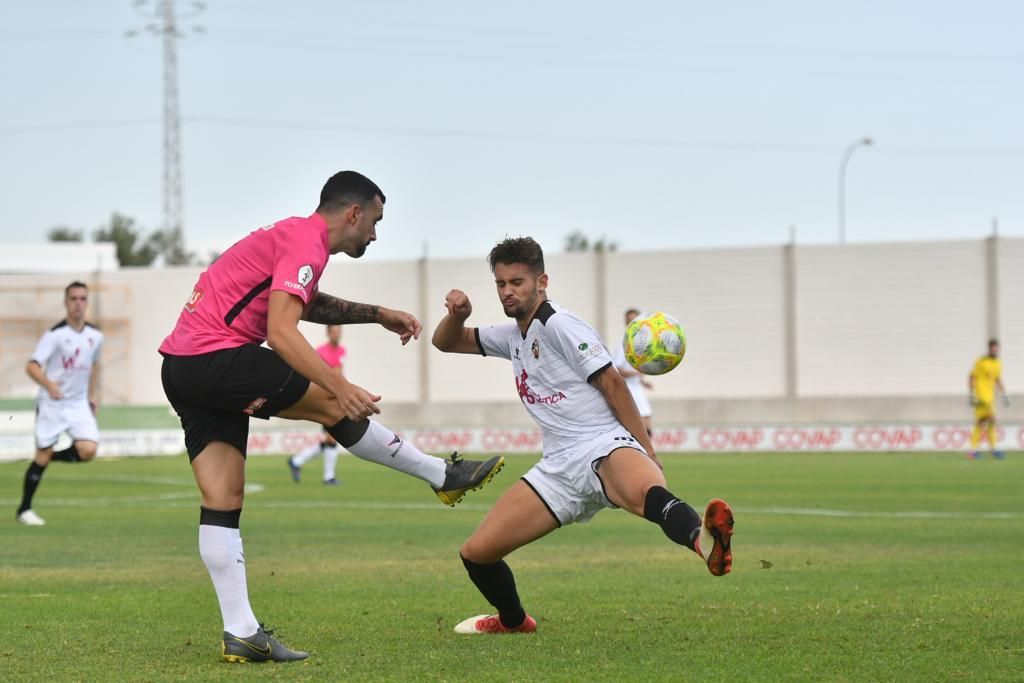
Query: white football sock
column 382, row 446
column 330, row 461
column 221, row 550
column 305, row 455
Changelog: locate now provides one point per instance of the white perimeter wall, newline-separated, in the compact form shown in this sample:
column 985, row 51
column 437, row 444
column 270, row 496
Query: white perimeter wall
column 876, row 320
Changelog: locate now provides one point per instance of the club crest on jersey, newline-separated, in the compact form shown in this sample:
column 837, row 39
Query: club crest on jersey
column 535, row 347
column 305, row 275
column 193, row 300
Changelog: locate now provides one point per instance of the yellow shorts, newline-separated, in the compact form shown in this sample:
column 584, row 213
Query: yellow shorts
column 984, row 410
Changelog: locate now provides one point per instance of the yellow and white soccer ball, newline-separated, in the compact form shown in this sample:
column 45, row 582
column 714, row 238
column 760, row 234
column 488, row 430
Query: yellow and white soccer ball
column 654, row 343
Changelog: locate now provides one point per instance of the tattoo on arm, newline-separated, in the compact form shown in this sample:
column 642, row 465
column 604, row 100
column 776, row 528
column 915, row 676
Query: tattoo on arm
column 330, row 310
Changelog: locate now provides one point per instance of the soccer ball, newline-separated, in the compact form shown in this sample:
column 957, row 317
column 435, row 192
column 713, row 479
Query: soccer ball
column 654, row 343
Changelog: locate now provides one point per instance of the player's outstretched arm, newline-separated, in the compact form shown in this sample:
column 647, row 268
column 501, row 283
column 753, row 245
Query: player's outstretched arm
column 451, row 334
column 325, row 309
column 616, row 393
column 283, row 336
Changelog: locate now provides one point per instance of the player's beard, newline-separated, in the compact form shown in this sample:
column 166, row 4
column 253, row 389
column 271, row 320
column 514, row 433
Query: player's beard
column 520, row 310
column 361, row 250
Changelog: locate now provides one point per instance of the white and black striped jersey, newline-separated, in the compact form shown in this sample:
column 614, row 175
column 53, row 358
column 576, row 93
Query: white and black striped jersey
column 67, row 356
column 553, row 364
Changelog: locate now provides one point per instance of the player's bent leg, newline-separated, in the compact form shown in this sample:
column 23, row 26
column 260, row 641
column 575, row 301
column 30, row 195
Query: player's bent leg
column 86, row 449
column 628, row 478
column 519, row 517
column 371, row 441
column 628, row 474
column 316, row 405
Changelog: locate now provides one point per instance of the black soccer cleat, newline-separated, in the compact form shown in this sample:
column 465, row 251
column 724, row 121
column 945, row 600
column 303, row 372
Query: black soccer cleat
column 461, row 476
column 259, row 647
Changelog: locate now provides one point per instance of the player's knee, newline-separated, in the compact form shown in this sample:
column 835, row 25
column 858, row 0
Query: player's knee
column 223, row 499
column 86, row 450
column 473, row 551
column 331, row 413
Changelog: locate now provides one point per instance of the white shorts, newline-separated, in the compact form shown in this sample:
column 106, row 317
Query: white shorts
column 567, row 480
column 53, row 418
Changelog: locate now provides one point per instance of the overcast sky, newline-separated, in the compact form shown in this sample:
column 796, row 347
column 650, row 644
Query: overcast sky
column 656, row 124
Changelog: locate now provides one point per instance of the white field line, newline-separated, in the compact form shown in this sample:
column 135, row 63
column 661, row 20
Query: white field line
column 189, row 498
column 167, row 500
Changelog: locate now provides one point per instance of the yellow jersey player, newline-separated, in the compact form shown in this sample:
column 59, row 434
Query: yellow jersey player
column 986, row 377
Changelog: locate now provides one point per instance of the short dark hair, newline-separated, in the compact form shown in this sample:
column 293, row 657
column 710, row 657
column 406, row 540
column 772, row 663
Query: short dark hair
column 993, row 341
column 523, row 250
column 346, row 188
column 73, row 285
column 634, row 311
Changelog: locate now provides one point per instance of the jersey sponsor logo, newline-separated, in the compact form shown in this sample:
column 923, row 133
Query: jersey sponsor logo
column 587, row 351
column 535, row 348
column 294, row 285
column 305, row 275
column 69, row 361
column 193, row 300
column 527, row 395
column 254, row 406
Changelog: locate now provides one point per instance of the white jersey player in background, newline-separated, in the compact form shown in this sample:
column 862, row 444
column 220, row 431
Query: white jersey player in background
column 596, row 451
column 65, row 365
column 635, row 380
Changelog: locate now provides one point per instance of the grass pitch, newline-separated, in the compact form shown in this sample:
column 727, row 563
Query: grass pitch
column 847, row 567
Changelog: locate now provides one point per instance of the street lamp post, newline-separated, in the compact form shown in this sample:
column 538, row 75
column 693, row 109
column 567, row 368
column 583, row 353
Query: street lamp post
column 850, row 149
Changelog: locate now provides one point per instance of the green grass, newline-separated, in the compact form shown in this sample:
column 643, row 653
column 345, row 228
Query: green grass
column 367, row 577
column 110, row 416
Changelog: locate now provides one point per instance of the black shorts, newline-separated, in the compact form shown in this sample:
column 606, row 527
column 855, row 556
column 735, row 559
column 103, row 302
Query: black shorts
column 216, row 393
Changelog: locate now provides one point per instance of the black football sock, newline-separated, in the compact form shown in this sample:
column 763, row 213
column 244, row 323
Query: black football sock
column 69, row 454
column 32, row 477
column 496, row 583
column 679, row 521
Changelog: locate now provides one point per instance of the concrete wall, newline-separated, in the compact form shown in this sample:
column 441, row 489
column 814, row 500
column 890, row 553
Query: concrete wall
column 795, row 334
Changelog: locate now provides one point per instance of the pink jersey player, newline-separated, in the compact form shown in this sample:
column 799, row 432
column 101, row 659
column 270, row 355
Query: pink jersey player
column 217, row 374
column 332, row 355
column 228, row 306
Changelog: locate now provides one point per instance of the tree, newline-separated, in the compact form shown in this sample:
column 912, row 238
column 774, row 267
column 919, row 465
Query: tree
column 133, row 247
column 62, row 233
column 577, row 241
column 171, row 245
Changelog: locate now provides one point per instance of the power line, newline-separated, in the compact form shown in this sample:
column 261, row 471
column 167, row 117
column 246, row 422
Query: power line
column 512, row 136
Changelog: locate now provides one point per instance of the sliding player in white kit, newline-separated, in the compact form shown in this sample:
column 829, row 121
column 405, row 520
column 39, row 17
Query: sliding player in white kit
column 635, row 381
column 596, row 452
column 65, row 365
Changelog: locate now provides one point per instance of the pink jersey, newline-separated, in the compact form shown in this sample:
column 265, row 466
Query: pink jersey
column 228, row 307
column 332, row 355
